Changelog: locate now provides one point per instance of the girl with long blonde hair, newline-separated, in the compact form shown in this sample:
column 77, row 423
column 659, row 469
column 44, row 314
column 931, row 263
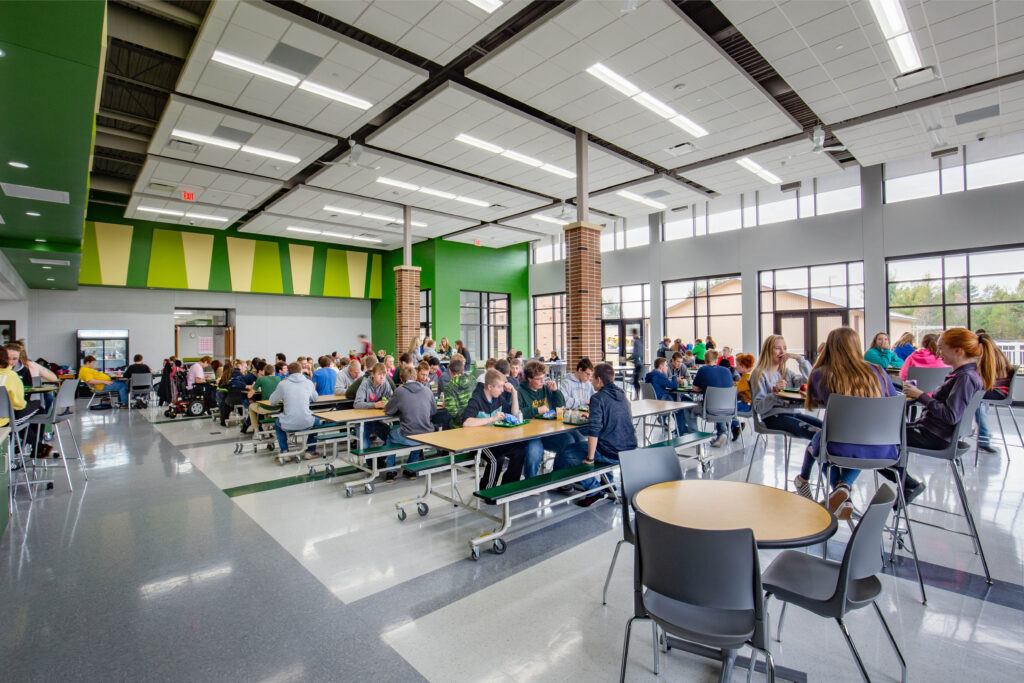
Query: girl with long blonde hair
column 770, row 376
column 841, row 370
column 904, row 346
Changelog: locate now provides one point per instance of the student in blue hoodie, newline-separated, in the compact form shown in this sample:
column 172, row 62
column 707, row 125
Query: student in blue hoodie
column 662, row 382
column 609, row 430
column 324, row 377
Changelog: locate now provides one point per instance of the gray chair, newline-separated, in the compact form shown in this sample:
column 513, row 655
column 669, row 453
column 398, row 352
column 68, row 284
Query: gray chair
column 761, row 431
column 16, row 451
column 701, row 586
column 869, row 422
column 141, row 386
column 831, row 589
column 719, row 405
column 37, row 381
column 647, row 392
column 1006, row 403
column 61, row 411
column 638, row 469
column 928, row 379
column 953, row 454
column 108, row 392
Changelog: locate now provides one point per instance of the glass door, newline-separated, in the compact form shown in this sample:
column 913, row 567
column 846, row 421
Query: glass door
column 805, row 331
column 115, row 354
column 612, row 341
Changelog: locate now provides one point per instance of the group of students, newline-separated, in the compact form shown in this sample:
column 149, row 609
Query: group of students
column 17, row 372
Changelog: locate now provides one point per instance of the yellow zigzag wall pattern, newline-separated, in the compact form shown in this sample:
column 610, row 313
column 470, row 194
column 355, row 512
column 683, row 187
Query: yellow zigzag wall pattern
column 137, row 256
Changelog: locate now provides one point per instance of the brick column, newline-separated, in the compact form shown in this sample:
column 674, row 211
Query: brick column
column 407, row 307
column 583, row 292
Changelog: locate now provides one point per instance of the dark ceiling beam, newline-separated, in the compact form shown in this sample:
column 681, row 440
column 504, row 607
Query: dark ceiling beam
column 164, row 10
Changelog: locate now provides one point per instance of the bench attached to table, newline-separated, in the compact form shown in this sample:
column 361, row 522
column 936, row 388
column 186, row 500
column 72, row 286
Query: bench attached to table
column 505, row 494
column 698, row 439
column 428, row 468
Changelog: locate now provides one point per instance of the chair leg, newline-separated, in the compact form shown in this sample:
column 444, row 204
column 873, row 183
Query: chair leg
column 768, row 661
column 1016, row 425
column 753, row 454
column 1001, row 432
column 970, row 520
column 81, row 459
column 64, row 461
column 853, row 650
column 625, row 649
column 892, row 641
column 657, row 655
column 782, row 617
column 910, row 534
column 788, row 441
column 611, row 568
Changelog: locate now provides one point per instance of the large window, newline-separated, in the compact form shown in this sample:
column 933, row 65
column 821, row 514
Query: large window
column 549, row 249
column 425, row 312
column 697, row 308
column 623, row 309
column 980, row 289
column 549, row 324
column 804, row 304
column 484, row 323
column 625, row 233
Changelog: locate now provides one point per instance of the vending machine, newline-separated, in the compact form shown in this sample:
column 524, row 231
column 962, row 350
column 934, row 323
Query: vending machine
column 109, row 347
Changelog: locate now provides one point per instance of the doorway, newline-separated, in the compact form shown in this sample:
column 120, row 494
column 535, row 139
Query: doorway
column 616, row 336
column 806, row 330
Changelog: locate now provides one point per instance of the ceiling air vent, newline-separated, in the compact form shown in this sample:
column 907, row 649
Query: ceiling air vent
column 183, row 146
column 948, row 152
column 977, row 114
column 790, row 187
column 162, row 187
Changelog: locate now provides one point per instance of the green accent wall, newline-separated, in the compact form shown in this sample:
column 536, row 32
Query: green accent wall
column 447, row 269
column 162, row 256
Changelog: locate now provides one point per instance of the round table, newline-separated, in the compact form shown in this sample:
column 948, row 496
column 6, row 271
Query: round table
column 779, row 519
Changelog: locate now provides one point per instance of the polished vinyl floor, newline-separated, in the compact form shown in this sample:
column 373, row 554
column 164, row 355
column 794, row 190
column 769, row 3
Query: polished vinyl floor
column 151, row 571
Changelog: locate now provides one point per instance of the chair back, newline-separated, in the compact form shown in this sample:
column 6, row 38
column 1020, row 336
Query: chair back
column 928, row 379
column 962, row 427
column 64, row 401
column 142, row 381
column 640, row 468
column 720, row 403
column 863, row 557
column 1008, row 399
column 647, row 391
column 6, row 409
column 712, row 569
column 865, row 422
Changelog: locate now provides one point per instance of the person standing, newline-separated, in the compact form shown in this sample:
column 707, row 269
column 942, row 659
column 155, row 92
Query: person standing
column 636, row 355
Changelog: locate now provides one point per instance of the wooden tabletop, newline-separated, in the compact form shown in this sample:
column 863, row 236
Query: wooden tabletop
column 44, row 389
column 321, row 400
column 351, row 415
column 791, row 395
column 648, row 407
column 472, row 438
column 779, row 519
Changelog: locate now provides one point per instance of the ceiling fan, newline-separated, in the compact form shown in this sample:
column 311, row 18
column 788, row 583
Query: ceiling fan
column 818, row 138
column 355, row 151
column 567, row 212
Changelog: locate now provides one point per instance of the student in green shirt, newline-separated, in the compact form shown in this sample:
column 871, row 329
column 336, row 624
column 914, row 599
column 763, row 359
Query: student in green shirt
column 264, row 386
column 537, row 395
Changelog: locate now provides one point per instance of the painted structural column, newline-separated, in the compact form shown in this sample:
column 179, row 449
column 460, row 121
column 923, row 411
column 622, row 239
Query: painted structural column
column 873, row 231
column 583, row 291
column 407, row 306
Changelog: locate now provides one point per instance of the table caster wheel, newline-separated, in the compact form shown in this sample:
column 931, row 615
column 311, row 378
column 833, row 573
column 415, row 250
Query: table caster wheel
column 270, row 447
column 401, row 515
column 348, row 492
column 368, row 488
column 312, row 470
column 329, row 469
column 49, row 486
column 499, row 546
column 474, row 553
column 423, row 509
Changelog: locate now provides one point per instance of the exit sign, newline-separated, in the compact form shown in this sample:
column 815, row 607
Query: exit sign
column 188, row 196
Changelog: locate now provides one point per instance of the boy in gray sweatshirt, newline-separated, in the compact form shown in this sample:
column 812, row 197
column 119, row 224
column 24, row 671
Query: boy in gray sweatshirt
column 374, row 392
column 576, row 387
column 413, row 404
column 296, row 392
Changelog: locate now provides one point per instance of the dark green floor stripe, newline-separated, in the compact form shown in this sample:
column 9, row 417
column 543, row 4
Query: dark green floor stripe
column 179, row 419
column 286, row 481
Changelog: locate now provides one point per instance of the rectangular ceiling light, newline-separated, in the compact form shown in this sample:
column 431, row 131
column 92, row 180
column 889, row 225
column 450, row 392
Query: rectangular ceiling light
column 338, row 209
column 632, row 196
column 513, row 155
column 164, row 212
column 49, row 262
column 305, row 231
column 38, row 193
column 432, row 192
column 206, row 217
column 437, row 193
column 335, row 95
column 893, row 24
column 287, row 158
column 487, row 5
column 205, row 139
column 338, row 235
column 756, row 168
column 398, row 183
column 624, row 86
column 548, row 219
column 254, row 68
column 372, row 216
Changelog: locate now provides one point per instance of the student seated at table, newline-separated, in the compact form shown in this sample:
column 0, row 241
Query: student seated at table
column 769, row 377
column 840, row 369
column 264, row 385
column 698, row 351
column 711, row 374
column 439, row 374
column 973, row 360
column 538, row 395
column 413, row 405
column 429, row 349
column 609, row 430
column 491, row 402
column 664, row 348
column 553, row 358
column 689, row 360
column 488, row 365
column 374, row 392
column 744, row 366
column 195, row 380
column 577, row 387
column 23, row 410
column 880, row 354
column 461, row 349
column 444, row 348
column 925, row 357
column 406, row 360
column 659, row 378
column 904, row 346
column 296, row 392
column 726, row 355
column 325, row 377
column 423, row 375
column 677, row 369
column 136, row 368
column 724, row 363
column 99, row 380
column 457, row 391
column 345, row 378
column 238, row 384
column 515, row 370
column 1000, row 389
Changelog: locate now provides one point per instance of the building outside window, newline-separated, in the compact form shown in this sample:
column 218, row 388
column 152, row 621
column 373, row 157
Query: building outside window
column 978, row 290
column 697, row 308
column 624, row 308
column 549, row 324
column 484, row 323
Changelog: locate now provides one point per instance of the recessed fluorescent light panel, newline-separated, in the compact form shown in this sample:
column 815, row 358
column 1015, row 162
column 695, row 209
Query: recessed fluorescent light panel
column 436, row 193
column 325, row 233
column 229, row 144
column 893, row 23
column 371, row 216
column 513, row 155
column 487, row 5
column 756, row 168
column 614, row 80
column 185, row 214
column 632, row 196
column 49, row 262
column 548, row 219
column 263, row 71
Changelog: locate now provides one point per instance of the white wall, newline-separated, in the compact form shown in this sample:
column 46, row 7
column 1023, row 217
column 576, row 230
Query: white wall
column 988, row 217
column 264, row 324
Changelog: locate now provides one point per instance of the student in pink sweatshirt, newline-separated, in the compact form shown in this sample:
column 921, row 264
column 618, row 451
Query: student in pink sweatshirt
column 925, row 357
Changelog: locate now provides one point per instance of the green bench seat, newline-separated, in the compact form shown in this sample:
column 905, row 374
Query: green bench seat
column 326, row 436
column 385, row 448
column 542, row 482
column 685, row 440
column 440, row 462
